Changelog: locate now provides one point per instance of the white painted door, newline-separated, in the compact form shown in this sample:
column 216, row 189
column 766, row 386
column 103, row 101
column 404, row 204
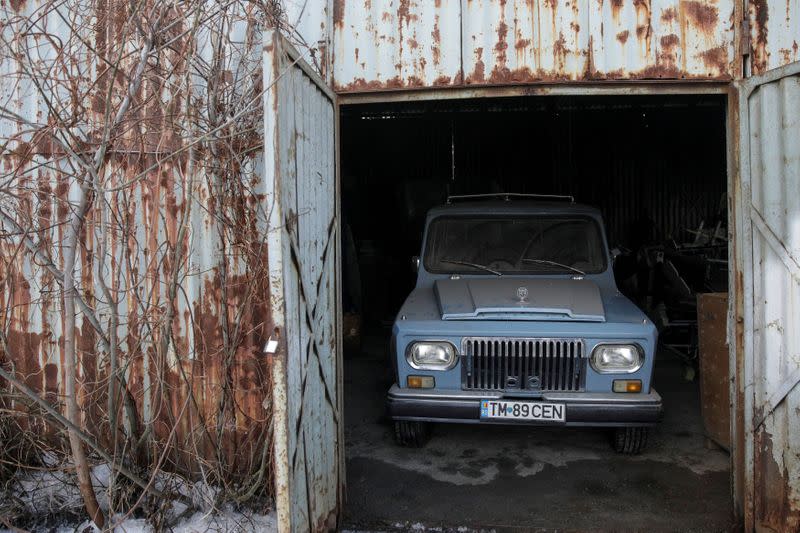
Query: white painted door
column 303, row 248
column 769, row 215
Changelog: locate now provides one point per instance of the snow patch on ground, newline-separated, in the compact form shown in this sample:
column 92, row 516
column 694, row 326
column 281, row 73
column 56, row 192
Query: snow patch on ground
column 222, row 521
column 54, row 492
column 226, row 520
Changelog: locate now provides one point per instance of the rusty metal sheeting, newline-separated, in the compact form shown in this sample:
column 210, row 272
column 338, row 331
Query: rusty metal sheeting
column 156, row 207
column 382, row 44
column 379, row 44
column 771, row 164
column 310, row 23
column 138, row 271
column 774, row 33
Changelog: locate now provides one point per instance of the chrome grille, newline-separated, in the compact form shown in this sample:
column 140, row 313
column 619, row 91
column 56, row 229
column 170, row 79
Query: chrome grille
column 524, row 364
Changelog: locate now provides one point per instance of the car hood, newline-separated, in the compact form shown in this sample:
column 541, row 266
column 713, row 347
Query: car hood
column 519, row 299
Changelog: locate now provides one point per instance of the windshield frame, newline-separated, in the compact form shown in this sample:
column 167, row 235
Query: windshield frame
column 544, row 271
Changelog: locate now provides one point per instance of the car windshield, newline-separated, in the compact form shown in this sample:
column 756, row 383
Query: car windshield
column 515, row 244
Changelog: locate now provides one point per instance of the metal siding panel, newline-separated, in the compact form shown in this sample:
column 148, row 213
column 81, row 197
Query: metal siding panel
column 774, row 33
column 386, row 44
column 310, row 22
column 383, row 45
column 519, row 42
column 772, row 342
column 155, row 200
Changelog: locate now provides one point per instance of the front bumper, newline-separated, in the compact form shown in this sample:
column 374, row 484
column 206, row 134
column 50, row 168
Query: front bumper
column 582, row 408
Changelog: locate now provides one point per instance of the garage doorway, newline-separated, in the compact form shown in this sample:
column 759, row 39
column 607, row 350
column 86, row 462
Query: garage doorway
column 656, row 168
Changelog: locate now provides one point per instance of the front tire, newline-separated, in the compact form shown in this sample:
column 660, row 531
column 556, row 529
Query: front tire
column 411, row 434
column 630, row 440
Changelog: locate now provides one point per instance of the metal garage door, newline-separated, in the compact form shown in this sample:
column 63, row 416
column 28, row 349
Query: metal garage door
column 302, row 199
column 770, row 166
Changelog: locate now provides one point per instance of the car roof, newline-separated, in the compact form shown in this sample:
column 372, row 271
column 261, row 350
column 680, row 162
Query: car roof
column 493, row 207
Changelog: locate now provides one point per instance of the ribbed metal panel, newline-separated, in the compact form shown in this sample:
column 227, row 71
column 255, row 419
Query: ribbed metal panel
column 525, row 364
column 774, row 33
column 383, row 44
column 770, row 151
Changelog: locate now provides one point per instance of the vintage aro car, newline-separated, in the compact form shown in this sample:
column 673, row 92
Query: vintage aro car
column 516, row 319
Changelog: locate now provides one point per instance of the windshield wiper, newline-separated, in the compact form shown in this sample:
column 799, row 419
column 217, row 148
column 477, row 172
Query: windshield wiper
column 553, row 263
column 474, row 265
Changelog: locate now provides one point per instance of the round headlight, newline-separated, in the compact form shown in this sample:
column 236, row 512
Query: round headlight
column 617, row 358
column 431, row 355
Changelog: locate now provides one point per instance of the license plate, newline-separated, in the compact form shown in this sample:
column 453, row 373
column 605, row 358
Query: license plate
column 508, row 410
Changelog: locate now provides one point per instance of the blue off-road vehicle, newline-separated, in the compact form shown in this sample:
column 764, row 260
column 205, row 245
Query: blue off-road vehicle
column 516, row 319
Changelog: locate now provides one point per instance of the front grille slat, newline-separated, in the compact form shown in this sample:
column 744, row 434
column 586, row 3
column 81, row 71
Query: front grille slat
column 498, row 364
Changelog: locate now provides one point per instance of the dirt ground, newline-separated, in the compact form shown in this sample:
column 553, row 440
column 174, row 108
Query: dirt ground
column 528, row 478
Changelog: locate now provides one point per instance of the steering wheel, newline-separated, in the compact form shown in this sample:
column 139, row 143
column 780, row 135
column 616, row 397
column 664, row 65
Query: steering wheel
column 501, row 264
column 500, row 259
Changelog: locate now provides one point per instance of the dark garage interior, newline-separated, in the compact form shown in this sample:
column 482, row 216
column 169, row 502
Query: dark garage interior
column 656, row 168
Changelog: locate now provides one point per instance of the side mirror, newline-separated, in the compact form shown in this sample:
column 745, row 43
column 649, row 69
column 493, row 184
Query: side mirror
column 415, row 263
column 616, row 252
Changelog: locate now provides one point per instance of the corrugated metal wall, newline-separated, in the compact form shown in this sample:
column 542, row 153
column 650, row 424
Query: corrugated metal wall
column 157, row 206
column 774, row 33
column 771, row 192
column 383, row 44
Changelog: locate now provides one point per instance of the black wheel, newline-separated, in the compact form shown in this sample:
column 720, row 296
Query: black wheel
column 411, row 434
column 630, row 441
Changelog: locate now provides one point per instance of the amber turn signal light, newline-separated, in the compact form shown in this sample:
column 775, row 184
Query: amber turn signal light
column 420, row 382
column 627, row 385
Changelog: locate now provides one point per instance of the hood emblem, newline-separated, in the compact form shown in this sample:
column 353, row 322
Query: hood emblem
column 522, row 294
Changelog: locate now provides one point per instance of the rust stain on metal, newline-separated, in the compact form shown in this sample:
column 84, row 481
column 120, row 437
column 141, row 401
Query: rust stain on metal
column 622, row 36
column 668, row 42
column 616, row 8
column 338, row 13
column 501, row 46
column 668, row 15
column 436, row 44
column 716, row 59
column 478, row 74
column 404, row 14
column 17, row 5
column 703, row 16
column 760, row 34
column 500, row 70
column 777, row 507
column 560, row 52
